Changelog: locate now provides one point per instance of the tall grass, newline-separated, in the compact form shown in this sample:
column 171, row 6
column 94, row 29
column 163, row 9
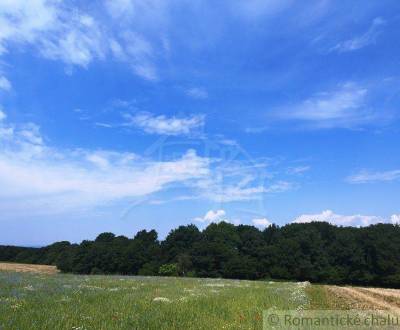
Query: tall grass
column 33, row 301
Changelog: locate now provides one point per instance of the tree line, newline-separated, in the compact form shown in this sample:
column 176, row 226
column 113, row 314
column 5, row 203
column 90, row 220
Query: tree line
column 317, row 252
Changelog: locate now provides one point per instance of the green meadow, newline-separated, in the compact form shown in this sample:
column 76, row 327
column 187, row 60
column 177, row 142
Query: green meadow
column 38, row 301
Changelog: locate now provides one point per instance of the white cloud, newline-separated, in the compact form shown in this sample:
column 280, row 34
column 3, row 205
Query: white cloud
column 105, row 125
column 395, row 219
column 23, row 21
column 197, row 93
column 215, row 190
column 344, row 106
column 145, row 70
column 77, row 43
column 38, row 178
column 216, row 217
column 63, row 32
column 262, row 223
column 366, row 39
column 164, row 125
column 142, row 39
column 5, row 84
column 58, row 32
column 279, row 187
column 119, row 8
column 370, row 177
column 212, row 216
column 140, row 11
column 138, row 52
column 340, row 220
column 298, row 169
column 2, row 115
column 231, row 193
column 239, row 179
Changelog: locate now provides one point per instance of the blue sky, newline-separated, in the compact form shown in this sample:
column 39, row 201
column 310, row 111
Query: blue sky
column 122, row 115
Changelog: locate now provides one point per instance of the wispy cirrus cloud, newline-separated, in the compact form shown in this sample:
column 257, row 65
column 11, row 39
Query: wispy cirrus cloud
column 222, row 189
column 75, row 36
column 165, row 125
column 2, row 115
column 365, row 176
column 197, row 93
column 298, row 169
column 78, row 42
column 5, row 84
column 55, row 30
column 135, row 50
column 344, row 106
column 364, row 40
column 38, row 178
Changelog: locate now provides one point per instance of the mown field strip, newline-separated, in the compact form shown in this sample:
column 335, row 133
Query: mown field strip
column 370, row 299
column 15, row 267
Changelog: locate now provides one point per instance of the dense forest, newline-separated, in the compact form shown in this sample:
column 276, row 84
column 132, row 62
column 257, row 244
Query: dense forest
column 317, row 252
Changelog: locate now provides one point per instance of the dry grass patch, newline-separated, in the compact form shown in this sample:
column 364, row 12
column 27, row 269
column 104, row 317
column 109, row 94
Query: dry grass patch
column 366, row 298
column 27, row 268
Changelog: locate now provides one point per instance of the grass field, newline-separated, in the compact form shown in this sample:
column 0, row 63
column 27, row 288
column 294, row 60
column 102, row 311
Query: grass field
column 44, row 301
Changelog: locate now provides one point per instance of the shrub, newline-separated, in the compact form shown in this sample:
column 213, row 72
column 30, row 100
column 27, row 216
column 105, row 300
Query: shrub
column 168, row 270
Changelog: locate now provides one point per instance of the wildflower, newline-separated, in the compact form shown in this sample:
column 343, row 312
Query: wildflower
column 64, row 299
column 16, row 306
column 113, row 289
column 29, row 288
column 215, row 284
column 162, row 299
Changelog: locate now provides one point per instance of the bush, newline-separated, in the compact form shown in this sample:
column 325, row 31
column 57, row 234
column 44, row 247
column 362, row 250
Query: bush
column 168, row 270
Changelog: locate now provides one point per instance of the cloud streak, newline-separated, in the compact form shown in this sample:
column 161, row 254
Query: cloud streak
column 197, row 93
column 364, row 40
column 37, row 178
column 62, row 32
column 5, row 84
column 164, row 125
column 35, row 175
column 372, row 177
column 343, row 107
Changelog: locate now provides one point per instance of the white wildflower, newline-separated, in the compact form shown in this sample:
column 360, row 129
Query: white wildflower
column 162, row 299
column 215, row 284
column 29, row 288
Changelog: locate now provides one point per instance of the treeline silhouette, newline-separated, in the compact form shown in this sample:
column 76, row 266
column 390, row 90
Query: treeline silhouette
column 316, row 252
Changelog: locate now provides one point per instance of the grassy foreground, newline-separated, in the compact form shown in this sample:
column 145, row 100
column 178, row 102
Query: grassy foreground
column 42, row 301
